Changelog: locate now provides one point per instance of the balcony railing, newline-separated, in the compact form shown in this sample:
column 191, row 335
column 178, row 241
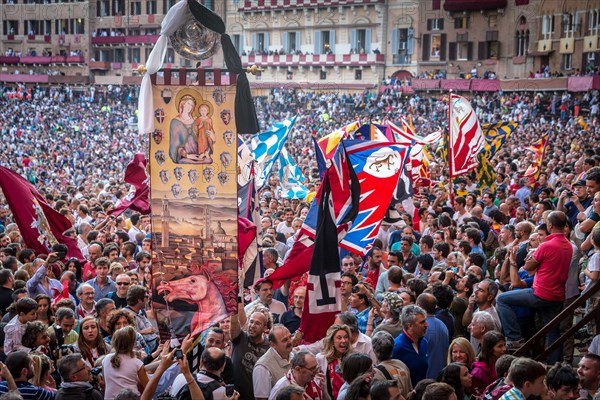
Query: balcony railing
column 99, row 65
column 401, row 59
column 314, row 60
column 260, row 5
column 9, row 60
column 141, row 39
column 35, row 60
column 108, row 40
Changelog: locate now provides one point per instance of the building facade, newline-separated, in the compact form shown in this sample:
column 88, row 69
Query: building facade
column 313, row 43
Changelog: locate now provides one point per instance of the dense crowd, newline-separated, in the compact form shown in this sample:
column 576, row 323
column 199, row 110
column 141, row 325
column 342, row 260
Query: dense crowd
column 434, row 311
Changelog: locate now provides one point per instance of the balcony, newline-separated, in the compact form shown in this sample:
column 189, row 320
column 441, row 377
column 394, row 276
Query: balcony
column 35, row 60
column 9, row 60
column 23, row 78
column 401, row 59
column 474, row 5
column 141, row 39
column 316, row 60
column 99, row 65
column 267, row 5
column 108, row 40
column 39, row 38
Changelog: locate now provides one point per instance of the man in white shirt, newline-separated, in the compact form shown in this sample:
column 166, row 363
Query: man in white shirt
column 264, row 289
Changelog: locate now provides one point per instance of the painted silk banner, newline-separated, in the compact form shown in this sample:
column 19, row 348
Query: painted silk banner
column 193, row 194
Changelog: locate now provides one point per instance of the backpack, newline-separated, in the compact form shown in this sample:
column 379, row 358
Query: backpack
column 207, row 390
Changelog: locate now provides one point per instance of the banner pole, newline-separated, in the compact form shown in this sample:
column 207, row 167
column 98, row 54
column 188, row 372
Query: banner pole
column 449, row 144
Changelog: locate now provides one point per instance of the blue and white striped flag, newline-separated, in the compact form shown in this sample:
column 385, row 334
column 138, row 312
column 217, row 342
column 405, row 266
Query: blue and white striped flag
column 266, row 147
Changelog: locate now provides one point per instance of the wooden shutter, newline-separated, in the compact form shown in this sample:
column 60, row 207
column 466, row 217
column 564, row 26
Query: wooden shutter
column 441, row 24
column 443, row 47
column 470, row 51
column 452, row 53
column 395, row 45
column 482, row 51
column 318, row 42
column 429, row 24
column 426, row 44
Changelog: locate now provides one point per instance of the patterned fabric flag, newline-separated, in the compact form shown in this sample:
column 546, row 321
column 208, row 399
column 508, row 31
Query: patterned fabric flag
column 466, row 136
column 323, row 297
column 266, row 147
column 320, row 157
column 40, row 225
column 290, row 175
column 442, row 149
column 135, row 174
column 538, row 149
column 372, row 131
column 329, row 143
column 495, row 136
column 377, row 166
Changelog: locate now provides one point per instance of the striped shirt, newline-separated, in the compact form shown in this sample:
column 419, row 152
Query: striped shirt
column 29, row 391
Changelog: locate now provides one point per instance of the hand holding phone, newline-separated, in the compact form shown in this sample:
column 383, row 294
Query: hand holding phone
column 229, row 390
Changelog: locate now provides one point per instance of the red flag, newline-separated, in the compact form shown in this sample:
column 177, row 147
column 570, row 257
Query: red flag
column 466, row 137
column 248, row 252
column 40, row 225
column 538, row 149
column 135, row 174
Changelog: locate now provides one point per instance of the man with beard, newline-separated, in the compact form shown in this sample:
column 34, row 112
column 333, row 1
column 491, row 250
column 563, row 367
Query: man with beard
column 274, row 364
column 248, row 347
column 20, row 365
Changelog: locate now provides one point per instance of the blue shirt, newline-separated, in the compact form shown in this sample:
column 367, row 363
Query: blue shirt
column 101, row 293
column 417, row 363
column 437, row 346
column 363, row 318
column 28, row 391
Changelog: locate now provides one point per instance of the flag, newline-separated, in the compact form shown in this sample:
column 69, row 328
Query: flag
column 266, row 147
column 246, row 187
column 248, row 252
column 290, row 175
column 40, row 225
column 377, row 166
column 465, row 135
column 372, row 131
column 495, row 136
column 320, row 158
column 323, row 296
column 407, row 134
column 442, row 149
column 329, row 143
column 538, row 149
column 135, row 174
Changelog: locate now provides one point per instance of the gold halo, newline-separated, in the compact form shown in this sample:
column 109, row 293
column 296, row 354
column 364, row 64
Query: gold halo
column 207, row 104
column 188, row 92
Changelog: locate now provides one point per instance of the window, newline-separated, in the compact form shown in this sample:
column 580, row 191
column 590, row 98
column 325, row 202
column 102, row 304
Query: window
column 167, row 4
column 322, row 75
column 10, row 27
column 358, row 75
column 210, row 4
column 436, row 24
column 492, row 21
column 135, row 8
column 568, row 23
column 237, row 42
column 547, row 26
column 436, row 47
column 134, row 55
column 567, row 61
column 103, row 8
column 46, row 27
column 522, row 43
column 151, row 7
column 261, row 42
column 361, row 41
column 461, row 22
column 291, row 42
column 118, row 7
column 79, row 26
column 170, row 56
column 402, row 45
column 31, row 27
column 325, row 41
column 594, row 20
column 591, row 58
column 119, row 55
column 462, row 51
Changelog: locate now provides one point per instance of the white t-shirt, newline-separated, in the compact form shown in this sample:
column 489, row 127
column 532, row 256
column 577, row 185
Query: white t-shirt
column 126, row 376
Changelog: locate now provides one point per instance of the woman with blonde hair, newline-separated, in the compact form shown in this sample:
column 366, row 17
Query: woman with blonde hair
column 43, row 367
column 121, row 369
column 461, row 351
column 336, row 346
column 90, row 343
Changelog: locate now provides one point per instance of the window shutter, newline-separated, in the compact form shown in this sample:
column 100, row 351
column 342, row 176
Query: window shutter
column 441, row 24
column 254, row 42
column 241, row 49
column 353, row 43
column 426, row 47
column 368, row 41
column 318, row 42
column 443, row 47
column 298, row 40
column 452, row 51
column 410, row 45
column 332, row 41
column 435, row 4
column 470, row 51
column 429, row 24
column 457, row 23
column 482, row 51
column 266, row 41
column 395, row 41
column 284, row 42
column 498, row 53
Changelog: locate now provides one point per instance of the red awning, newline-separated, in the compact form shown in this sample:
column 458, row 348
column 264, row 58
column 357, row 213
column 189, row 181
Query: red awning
column 402, row 75
column 485, row 85
column 424, row 84
column 456, row 84
column 473, row 5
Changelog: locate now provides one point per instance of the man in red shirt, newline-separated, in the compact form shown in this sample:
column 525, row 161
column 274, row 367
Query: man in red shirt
column 550, row 262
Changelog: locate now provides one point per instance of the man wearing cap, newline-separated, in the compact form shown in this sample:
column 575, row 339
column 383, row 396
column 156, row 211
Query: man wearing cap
column 574, row 202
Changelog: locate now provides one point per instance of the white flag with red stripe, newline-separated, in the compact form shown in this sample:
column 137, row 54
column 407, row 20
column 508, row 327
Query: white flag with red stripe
column 466, row 136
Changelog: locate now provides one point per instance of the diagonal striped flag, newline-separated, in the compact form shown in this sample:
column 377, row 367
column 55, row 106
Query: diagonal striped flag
column 266, row 147
column 290, row 175
column 466, row 136
column 495, row 136
column 329, row 143
column 539, row 150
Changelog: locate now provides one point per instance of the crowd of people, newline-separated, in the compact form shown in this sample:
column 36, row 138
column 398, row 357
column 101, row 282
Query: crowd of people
column 448, row 292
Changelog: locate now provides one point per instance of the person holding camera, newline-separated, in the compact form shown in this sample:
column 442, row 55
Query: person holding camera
column 62, row 333
column 40, row 283
column 76, row 376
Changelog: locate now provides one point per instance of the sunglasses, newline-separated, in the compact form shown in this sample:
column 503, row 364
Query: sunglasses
column 123, row 283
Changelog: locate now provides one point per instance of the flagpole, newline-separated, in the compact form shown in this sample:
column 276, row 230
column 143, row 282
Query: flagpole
column 449, row 144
